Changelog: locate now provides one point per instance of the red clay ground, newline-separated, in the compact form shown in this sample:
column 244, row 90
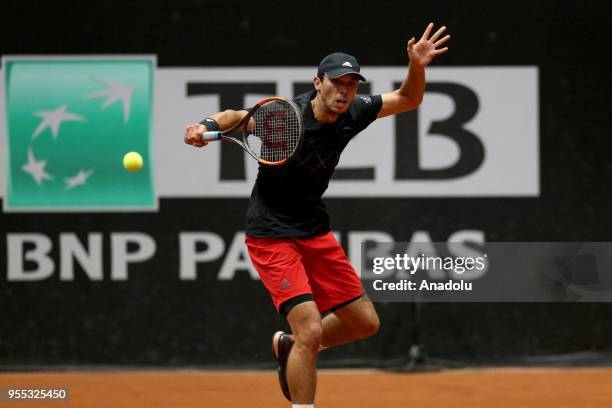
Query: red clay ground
column 518, row 387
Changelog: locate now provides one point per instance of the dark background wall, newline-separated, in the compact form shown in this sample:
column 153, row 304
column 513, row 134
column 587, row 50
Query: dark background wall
column 155, row 319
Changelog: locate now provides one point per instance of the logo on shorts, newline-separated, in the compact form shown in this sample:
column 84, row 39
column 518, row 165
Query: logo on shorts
column 70, row 121
column 285, row 284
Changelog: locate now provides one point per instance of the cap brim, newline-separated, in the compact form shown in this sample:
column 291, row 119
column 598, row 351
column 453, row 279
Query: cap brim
column 344, row 71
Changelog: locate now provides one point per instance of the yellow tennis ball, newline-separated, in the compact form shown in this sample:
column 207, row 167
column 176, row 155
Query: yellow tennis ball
column 132, row 161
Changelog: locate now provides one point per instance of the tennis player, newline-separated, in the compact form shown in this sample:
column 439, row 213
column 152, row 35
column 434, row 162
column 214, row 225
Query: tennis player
column 288, row 233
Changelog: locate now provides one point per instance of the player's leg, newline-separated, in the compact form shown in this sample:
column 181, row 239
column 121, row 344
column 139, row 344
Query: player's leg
column 305, row 322
column 337, row 288
column 279, row 265
column 355, row 321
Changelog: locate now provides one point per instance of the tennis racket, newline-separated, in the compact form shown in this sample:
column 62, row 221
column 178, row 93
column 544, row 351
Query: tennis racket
column 271, row 132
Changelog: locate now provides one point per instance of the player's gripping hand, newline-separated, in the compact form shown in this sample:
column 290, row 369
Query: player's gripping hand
column 193, row 135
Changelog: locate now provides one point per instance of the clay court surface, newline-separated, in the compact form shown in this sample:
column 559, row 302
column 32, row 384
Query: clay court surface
column 509, row 387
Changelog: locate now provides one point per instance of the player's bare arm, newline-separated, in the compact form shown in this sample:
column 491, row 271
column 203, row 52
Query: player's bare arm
column 225, row 119
column 420, row 54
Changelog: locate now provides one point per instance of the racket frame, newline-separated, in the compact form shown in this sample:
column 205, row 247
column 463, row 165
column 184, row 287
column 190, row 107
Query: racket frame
column 221, row 135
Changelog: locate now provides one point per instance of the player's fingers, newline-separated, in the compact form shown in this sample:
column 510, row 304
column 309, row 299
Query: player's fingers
column 427, row 32
column 186, row 138
column 441, row 51
column 194, row 135
column 438, row 33
column 196, row 132
column 411, row 43
column 442, row 41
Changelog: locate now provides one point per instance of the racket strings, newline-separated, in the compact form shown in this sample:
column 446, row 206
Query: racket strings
column 277, row 131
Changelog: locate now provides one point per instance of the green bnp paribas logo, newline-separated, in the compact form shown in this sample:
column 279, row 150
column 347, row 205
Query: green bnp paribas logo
column 69, row 122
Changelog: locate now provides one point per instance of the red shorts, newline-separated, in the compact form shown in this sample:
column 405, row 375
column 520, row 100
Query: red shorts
column 317, row 266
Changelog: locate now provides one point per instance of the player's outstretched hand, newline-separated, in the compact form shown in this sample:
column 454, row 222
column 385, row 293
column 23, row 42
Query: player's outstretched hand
column 193, row 135
column 422, row 52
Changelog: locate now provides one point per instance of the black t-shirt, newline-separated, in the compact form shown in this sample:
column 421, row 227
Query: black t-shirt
column 286, row 200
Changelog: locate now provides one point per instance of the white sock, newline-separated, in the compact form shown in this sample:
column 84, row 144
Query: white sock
column 302, row 405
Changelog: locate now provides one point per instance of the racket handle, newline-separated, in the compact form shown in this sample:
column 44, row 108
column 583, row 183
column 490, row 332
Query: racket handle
column 211, row 136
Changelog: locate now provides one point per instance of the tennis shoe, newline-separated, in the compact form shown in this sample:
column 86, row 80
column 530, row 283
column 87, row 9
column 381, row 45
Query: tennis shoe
column 281, row 346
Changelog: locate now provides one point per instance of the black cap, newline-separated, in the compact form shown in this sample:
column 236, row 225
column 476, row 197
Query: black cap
column 337, row 64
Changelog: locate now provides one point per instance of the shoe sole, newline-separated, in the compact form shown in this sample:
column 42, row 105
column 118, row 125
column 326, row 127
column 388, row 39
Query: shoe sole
column 275, row 340
column 282, row 367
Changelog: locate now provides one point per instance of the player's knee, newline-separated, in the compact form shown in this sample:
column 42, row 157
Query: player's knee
column 309, row 337
column 370, row 327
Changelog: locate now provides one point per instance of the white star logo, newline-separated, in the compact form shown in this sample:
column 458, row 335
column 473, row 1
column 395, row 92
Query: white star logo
column 36, row 168
column 54, row 119
column 77, row 180
column 115, row 92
